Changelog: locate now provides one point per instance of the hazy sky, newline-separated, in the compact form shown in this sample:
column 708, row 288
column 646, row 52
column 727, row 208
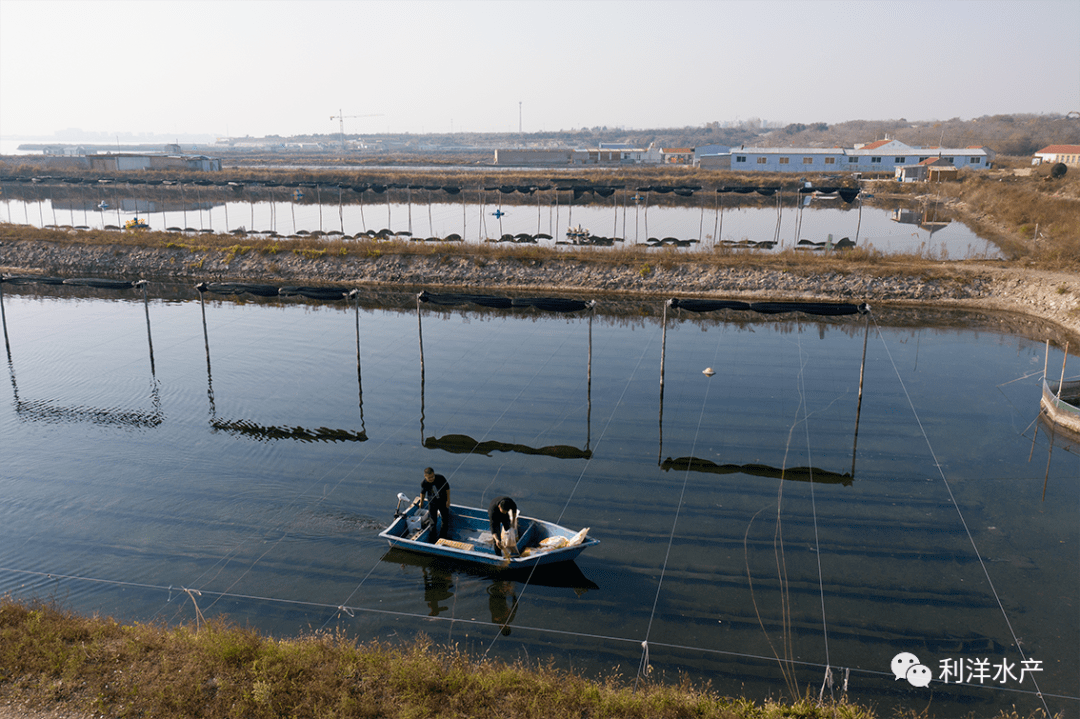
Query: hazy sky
column 246, row 67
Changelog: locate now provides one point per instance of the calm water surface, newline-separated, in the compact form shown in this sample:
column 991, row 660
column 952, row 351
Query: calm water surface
column 144, row 476
column 479, row 217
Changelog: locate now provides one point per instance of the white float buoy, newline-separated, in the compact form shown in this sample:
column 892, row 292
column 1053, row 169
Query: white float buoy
column 708, row 371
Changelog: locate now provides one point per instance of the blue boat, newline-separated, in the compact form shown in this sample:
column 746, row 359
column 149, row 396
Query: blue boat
column 539, row 542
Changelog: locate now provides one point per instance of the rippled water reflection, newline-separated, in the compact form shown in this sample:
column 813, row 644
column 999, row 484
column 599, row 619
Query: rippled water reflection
column 255, row 464
column 480, row 217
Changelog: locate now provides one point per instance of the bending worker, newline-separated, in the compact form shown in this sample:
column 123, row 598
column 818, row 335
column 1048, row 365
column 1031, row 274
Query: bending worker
column 503, row 514
column 436, row 490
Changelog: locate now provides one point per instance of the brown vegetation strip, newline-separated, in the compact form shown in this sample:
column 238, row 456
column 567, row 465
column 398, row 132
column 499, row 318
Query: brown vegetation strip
column 51, row 658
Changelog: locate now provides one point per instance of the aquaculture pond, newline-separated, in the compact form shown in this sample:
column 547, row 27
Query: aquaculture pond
column 708, row 219
column 862, row 505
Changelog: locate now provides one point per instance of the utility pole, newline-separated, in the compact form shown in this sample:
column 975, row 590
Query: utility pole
column 341, row 124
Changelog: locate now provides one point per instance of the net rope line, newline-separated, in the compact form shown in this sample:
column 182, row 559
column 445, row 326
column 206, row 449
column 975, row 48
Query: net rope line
column 223, row 561
column 960, row 514
column 778, row 535
column 344, row 606
column 573, row 491
column 282, row 525
column 801, row 379
column 937, row 464
column 296, row 496
column 178, row 591
column 644, row 666
column 227, row 557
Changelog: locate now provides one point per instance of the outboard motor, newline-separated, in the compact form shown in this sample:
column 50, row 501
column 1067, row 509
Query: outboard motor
column 401, row 498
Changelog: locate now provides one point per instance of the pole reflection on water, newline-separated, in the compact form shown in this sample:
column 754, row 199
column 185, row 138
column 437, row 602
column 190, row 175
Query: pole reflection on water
column 754, row 226
column 464, row 444
column 253, row 429
column 47, row 410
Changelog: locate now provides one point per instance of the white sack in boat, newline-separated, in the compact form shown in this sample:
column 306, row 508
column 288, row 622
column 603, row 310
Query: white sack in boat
column 578, row 538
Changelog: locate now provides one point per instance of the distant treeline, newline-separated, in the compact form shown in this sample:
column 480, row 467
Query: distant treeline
column 1005, row 134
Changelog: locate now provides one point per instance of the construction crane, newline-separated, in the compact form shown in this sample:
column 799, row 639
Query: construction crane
column 341, row 126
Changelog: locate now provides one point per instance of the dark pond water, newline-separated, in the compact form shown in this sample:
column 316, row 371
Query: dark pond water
column 148, row 478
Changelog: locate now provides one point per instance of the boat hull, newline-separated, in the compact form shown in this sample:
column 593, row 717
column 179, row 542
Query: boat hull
column 466, row 543
column 1059, row 403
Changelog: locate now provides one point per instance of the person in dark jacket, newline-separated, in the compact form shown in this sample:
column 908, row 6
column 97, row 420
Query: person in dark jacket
column 503, row 515
column 435, row 489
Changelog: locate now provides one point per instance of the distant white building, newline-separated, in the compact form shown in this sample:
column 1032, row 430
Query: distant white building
column 1065, row 154
column 606, row 154
column 123, row 162
column 881, row 156
column 934, row 169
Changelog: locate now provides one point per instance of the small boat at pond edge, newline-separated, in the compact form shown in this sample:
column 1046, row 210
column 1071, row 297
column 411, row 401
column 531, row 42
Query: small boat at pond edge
column 1061, row 402
column 539, row 542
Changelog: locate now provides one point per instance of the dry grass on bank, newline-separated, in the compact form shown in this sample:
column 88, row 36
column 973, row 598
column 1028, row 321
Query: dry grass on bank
column 1037, row 220
column 629, row 177
column 325, row 247
column 51, row 658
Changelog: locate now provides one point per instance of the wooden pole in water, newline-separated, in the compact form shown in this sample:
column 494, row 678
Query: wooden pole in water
column 646, row 216
column 663, row 352
column 420, row 334
column 363, row 222
column 615, row 206
column 318, row 201
column 3, row 320
column 1064, row 357
column 624, row 215
column 206, row 342
column 554, row 228
column 149, row 338
column 720, row 227
column 716, row 217
column 1046, row 358
column 779, row 214
column 588, row 386
column 858, row 226
column 359, row 380
column 858, row 406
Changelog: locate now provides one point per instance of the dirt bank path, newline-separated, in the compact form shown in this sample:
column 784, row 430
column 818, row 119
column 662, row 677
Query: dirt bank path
column 1052, row 296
